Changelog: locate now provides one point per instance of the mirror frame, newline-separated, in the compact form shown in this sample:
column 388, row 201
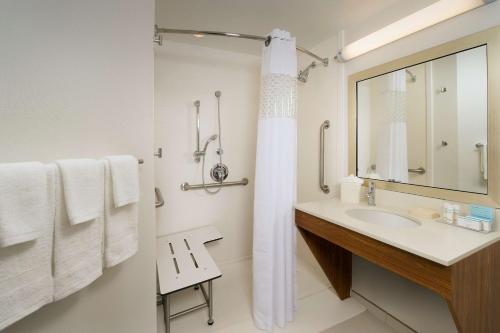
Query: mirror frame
column 491, row 37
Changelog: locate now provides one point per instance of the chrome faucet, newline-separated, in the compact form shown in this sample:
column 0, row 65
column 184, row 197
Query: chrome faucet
column 371, row 193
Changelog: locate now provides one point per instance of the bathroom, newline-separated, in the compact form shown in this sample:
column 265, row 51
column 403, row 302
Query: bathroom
column 87, row 80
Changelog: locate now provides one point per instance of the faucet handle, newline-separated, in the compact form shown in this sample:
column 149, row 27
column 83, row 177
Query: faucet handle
column 371, row 185
column 371, row 193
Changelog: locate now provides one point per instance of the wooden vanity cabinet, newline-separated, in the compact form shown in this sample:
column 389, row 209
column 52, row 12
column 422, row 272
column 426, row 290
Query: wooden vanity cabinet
column 471, row 286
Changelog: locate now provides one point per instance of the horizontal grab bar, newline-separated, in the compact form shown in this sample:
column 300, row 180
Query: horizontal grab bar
column 187, row 187
column 420, row 171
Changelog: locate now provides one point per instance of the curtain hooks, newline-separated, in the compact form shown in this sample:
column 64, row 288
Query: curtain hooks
column 268, row 41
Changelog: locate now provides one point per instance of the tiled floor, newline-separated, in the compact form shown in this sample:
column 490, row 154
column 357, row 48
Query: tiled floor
column 365, row 322
column 319, row 308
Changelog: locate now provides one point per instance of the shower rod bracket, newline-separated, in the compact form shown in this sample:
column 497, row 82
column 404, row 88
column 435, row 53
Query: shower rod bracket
column 200, row 33
column 158, row 39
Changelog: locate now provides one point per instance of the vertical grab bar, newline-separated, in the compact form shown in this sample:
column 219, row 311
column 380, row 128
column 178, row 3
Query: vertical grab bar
column 483, row 167
column 325, row 188
column 197, row 154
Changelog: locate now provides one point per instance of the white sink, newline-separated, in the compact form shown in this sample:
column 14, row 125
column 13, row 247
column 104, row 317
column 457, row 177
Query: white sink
column 382, row 218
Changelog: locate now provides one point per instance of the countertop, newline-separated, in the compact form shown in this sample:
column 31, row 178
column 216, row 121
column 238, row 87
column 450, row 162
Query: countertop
column 438, row 242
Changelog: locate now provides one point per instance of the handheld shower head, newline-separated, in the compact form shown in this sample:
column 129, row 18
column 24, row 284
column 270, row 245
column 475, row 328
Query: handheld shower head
column 210, row 139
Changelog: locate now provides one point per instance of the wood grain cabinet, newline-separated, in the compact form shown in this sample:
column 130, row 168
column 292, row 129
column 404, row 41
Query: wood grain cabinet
column 471, row 286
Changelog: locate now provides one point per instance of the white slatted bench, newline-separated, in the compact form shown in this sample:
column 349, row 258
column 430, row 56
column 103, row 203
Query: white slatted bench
column 182, row 262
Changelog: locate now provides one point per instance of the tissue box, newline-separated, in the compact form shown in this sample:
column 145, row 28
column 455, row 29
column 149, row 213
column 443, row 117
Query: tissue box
column 350, row 189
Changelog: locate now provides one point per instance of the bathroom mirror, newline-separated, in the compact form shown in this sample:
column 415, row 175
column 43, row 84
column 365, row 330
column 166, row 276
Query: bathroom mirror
column 428, row 123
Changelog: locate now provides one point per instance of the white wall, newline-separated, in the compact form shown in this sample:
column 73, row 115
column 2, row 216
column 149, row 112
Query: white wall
column 317, row 100
column 185, row 73
column 472, row 94
column 423, row 311
column 444, row 120
column 77, row 81
column 416, row 115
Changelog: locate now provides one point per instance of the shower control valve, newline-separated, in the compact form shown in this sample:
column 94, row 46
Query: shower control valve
column 219, row 172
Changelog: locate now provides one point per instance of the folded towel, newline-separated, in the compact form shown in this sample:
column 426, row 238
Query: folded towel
column 125, row 175
column 83, row 182
column 120, row 226
column 25, row 269
column 23, row 199
column 77, row 249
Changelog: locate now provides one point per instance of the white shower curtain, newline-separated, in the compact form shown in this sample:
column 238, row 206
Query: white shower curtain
column 275, row 186
column 392, row 151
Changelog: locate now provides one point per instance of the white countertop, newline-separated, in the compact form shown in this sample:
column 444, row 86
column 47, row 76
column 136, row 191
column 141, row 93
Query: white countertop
column 438, row 242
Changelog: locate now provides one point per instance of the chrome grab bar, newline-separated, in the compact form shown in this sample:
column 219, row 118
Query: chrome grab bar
column 480, row 148
column 187, row 187
column 197, row 153
column 420, row 171
column 158, row 198
column 325, row 188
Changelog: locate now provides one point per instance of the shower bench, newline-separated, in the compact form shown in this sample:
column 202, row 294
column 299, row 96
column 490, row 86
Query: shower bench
column 182, row 261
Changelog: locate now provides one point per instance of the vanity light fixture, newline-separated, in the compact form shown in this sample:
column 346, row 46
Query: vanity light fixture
column 424, row 18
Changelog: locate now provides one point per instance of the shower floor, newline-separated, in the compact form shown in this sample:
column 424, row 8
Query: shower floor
column 319, row 308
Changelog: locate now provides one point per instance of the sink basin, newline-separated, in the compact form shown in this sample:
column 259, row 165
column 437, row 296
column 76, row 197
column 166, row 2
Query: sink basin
column 382, row 218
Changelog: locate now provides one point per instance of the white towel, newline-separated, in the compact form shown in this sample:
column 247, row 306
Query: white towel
column 77, row 249
column 25, row 269
column 23, row 199
column 120, row 226
column 125, row 175
column 83, row 182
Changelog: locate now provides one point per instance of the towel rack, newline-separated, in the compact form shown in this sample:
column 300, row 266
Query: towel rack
column 187, row 187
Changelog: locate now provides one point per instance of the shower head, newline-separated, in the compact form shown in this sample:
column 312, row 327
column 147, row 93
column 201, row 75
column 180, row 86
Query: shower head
column 210, row 139
column 217, row 93
column 304, row 74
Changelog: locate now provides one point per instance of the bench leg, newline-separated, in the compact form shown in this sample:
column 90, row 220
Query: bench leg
column 210, row 303
column 166, row 312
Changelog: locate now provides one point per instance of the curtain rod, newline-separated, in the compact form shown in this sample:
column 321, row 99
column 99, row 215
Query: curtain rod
column 266, row 39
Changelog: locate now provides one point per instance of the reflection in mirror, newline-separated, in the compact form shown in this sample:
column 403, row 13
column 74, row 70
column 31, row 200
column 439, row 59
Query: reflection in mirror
column 427, row 124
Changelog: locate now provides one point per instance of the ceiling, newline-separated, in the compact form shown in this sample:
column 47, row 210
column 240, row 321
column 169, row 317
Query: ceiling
column 311, row 21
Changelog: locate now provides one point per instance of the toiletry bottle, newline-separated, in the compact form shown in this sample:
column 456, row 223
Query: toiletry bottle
column 487, row 226
column 456, row 212
column 448, row 212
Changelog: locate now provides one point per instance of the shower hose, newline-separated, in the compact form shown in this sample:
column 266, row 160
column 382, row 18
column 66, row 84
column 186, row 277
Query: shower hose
column 221, row 177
